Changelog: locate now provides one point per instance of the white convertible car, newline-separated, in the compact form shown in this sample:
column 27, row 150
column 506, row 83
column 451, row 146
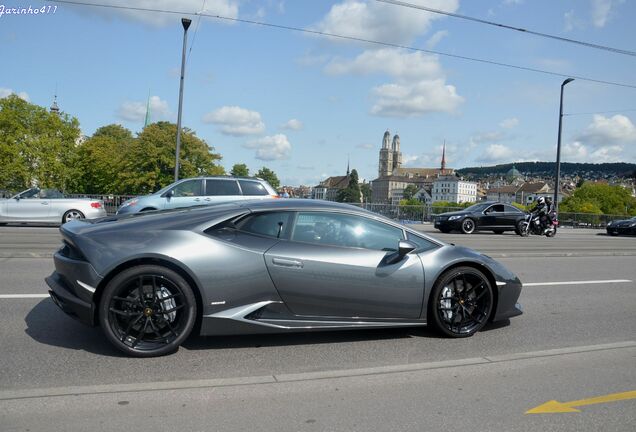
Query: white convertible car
column 48, row 206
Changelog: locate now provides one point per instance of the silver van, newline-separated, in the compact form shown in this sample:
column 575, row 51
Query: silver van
column 200, row 191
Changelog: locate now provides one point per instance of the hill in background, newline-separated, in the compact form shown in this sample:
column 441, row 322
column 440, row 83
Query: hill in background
column 546, row 169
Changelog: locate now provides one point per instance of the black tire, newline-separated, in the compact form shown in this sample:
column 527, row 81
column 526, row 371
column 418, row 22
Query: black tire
column 521, row 229
column 468, row 226
column 457, row 292
column 551, row 233
column 498, row 231
column 72, row 215
column 147, row 311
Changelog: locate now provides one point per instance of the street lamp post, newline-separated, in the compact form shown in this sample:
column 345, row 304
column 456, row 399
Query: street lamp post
column 558, row 161
column 186, row 23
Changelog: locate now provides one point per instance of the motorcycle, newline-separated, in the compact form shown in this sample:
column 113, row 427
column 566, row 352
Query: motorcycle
column 532, row 225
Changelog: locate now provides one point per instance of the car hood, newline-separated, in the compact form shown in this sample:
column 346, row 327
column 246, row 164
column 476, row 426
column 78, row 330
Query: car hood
column 454, row 213
column 623, row 223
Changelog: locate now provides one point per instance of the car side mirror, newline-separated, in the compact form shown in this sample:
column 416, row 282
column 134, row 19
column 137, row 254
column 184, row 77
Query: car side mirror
column 169, row 194
column 404, row 248
column 17, row 198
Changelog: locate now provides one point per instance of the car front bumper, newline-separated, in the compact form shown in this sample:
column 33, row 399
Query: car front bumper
column 448, row 225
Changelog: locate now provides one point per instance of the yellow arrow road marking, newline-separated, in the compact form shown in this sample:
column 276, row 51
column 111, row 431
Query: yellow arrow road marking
column 566, row 407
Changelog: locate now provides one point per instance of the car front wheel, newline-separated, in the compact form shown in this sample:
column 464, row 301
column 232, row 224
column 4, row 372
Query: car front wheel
column 461, row 302
column 468, row 226
column 147, row 311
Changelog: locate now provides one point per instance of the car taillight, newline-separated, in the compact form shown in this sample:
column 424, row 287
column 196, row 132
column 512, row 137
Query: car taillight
column 96, row 204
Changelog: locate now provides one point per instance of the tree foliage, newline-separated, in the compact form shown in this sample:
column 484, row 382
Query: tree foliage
column 352, row 192
column 600, row 198
column 409, row 191
column 240, row 170
column 269, row 176
column 36, row 146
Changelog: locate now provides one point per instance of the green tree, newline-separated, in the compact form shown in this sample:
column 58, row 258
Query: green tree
column 352, row 192
column 101, row 158
column 367, row 192
column 36, row 146
column 149, row 163
column 269, row 176
column 600, row 198
column 240, row 170
column 410, row 191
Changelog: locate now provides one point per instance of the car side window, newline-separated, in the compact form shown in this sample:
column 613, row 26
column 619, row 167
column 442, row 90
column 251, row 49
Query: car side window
column 335, row 229
column 422, row 243
column 217, row 187
column 187, row 189
column 497, row 208
column 252, row 188
column 30, row 194
column 511, row 209
column 271, row 224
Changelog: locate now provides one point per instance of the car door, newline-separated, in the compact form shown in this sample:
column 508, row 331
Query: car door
column 219, row 190
column 28, row 207
column 333, row 265
column 188, row 193
column 511, row 216
column 492, row 216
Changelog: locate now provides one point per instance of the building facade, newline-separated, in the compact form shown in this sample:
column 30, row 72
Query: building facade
column 453, row 189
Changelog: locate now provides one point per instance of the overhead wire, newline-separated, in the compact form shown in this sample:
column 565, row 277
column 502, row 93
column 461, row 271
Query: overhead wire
column 509, row 27
column 352, row 38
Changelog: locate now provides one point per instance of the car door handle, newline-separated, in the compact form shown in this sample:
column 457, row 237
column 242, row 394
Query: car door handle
column 287, row 263
column 208, row 199
column 44, row 203
column 197, row 199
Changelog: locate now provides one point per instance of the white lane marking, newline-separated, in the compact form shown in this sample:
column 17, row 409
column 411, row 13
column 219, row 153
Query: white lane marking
column 22, row 296
column 577, row 282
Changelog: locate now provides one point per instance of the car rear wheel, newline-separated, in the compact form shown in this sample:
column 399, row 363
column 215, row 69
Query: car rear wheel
column 468, row 226
column 461, row 302
column 72, row 215
column 147, row 311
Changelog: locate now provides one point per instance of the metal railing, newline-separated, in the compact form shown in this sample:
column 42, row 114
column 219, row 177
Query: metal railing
column 405, row 214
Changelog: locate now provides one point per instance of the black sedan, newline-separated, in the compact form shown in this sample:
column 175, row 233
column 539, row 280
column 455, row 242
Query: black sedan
column 487, row 216
column 617, row 227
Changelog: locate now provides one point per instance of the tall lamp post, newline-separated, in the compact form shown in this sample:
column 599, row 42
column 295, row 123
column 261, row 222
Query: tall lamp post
column 558, row 161
column 186, row 23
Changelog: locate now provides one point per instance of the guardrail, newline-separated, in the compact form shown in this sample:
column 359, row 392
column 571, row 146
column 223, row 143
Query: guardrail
column 405, row 214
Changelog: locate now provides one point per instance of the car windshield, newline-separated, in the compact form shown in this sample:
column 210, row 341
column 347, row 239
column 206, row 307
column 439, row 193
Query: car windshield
column 476, row 208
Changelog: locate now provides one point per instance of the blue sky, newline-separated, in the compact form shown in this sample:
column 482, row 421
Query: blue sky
column 300, row 104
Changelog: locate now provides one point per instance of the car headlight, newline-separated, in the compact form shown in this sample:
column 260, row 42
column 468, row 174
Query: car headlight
column 454, row 217
column 633, row 224
column 610, row 223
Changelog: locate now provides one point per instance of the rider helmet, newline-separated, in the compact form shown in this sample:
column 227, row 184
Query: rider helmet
column 540, row 200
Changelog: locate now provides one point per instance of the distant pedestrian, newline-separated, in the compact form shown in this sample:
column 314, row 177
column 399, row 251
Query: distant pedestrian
column 285, row 194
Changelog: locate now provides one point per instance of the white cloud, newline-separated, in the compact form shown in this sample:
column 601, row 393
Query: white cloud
column 572, row 22
column 436, row 38
column 509, row 123
column 409, row 100
column 293, row 124
column 381, row 21
column 419, row 88
column 601, row 10
column 398, row 63
column 136, row 111
column 579, row 152
column 496, row 153
column 4, row 92
column 269, row 148
column 228, row 8
column 512, row 2
column 236, row 121
column 487, row 137
column 604, row 131
column 366, row 146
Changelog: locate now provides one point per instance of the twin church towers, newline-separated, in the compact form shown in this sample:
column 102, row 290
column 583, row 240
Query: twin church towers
column 390, row 155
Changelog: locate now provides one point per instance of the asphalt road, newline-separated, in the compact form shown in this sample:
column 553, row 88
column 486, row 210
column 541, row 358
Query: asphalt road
column 575, row 341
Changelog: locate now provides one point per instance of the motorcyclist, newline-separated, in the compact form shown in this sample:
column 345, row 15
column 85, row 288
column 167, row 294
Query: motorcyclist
column 541, row 209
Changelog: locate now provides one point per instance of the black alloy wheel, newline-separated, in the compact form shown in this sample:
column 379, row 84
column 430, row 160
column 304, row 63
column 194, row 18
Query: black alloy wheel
column 461, row 302
column 468, row 226
column 147, row 311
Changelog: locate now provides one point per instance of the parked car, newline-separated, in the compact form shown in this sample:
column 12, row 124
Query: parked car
column 200, row 191
column 48, row 206
column 617, row 227
column 269, row 266
column 487, row 216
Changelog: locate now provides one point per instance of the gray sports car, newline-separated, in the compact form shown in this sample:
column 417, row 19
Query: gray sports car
column 150, row 279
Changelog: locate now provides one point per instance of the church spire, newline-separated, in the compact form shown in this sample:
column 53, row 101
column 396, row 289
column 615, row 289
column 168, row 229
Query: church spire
column 54, row 108
column 347, row 164
column 444, row 157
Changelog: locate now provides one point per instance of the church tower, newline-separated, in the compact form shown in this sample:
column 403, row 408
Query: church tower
column 443, row 171
column 397, row 154
column 385, row 167
column 54, row 108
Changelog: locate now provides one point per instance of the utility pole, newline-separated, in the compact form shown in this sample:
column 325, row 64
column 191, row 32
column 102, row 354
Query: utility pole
column 558, row 161
column 186, row 23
